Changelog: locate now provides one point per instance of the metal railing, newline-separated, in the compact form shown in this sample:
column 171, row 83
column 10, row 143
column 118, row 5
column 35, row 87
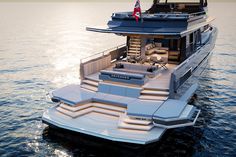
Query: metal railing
column 197, row 14
column 159, row 15
column 100, row 54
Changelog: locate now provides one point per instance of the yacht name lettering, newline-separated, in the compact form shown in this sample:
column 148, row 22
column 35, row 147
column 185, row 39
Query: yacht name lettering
column 120, row 76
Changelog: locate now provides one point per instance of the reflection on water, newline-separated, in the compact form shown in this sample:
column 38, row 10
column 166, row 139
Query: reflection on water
column 40, row 49
column 98, row 147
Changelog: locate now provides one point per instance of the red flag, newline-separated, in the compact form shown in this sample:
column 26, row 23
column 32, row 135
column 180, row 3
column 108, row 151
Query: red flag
column 137, row 11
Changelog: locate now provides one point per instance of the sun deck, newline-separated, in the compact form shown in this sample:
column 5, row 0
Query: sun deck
column 167, row 18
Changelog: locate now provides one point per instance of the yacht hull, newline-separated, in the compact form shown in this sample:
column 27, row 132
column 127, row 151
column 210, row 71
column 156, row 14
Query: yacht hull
column 137, row 103
column 104, row 120
column 101, row 126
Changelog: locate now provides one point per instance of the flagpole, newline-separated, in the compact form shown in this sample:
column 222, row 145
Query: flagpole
column 141, row 15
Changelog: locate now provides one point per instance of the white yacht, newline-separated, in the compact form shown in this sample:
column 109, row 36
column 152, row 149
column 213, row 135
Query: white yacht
column 136, row 91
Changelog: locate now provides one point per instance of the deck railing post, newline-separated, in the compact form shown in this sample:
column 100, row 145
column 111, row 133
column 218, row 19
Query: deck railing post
column 172, row 86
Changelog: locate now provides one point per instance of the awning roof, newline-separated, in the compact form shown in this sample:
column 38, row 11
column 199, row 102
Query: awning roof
column 150, row 30
column 137, row 30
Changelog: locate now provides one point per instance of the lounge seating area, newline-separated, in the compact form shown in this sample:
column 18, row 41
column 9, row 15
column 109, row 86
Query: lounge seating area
column 155, row 48
column 149, row 67
column 149, row 70
column 167, row 55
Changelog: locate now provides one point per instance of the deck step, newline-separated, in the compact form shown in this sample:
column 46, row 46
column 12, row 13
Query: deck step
column 89, row 87
column 153, row 97
column 75, row 108
column 134, row 48
column 131, row 54
column 106, row 112
column 88, row 110
column 90, row 82
column 136, row 53
column 96, row 104
column 125, row 122
column 124, row 125
column 135, row 39
column 156, row 89
column 135, row 42
column 91, row 79
column 109, row 107
column 155, row 92
column 73, row 114
column 129, row 120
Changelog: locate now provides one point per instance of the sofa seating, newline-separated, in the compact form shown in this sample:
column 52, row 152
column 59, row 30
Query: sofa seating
column 148, row 70
column 155, row 48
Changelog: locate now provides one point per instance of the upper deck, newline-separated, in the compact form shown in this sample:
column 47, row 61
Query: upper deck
column 188, row 6
column 183, row 16
column 169, row 10
column 174, row 19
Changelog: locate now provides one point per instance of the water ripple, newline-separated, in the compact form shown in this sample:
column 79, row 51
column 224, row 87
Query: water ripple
column 39, row 54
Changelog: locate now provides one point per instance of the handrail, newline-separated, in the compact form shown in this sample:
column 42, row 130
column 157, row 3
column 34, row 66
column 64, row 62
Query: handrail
column 197, row 13
column 170, row 14
column 100, row 54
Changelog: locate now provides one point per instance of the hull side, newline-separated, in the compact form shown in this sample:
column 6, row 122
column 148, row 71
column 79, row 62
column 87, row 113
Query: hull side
column 107, row 128
column 197, row 65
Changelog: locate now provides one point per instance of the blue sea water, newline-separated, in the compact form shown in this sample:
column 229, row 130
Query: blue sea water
column 41, row 45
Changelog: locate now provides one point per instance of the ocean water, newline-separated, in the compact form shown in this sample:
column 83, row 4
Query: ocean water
column 41, row 45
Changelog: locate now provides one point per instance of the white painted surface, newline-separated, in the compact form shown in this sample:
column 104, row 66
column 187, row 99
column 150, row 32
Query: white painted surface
column 103, row 126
